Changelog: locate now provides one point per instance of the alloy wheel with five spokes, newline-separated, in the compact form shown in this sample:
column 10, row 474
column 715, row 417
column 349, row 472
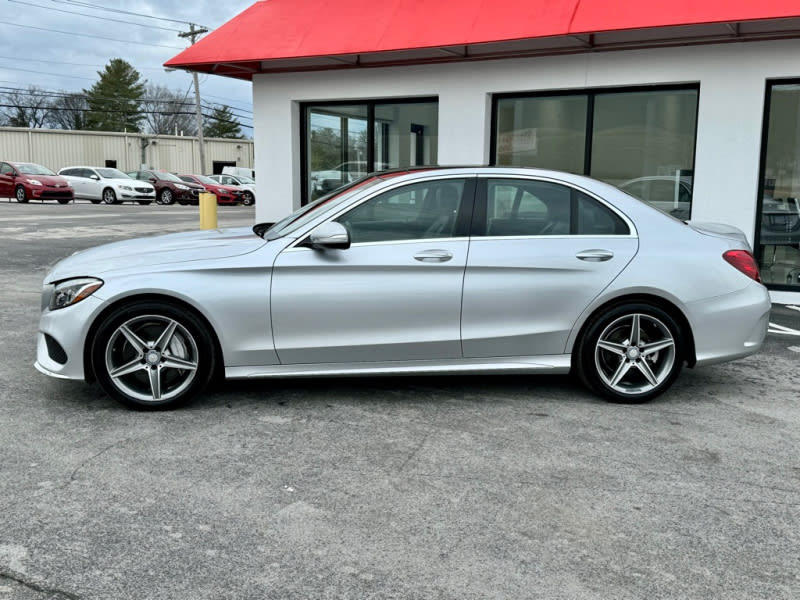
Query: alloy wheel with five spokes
column 153, row 355
column 631, row 353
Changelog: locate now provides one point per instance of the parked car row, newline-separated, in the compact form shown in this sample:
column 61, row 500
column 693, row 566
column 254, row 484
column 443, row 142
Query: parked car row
column 29, row 181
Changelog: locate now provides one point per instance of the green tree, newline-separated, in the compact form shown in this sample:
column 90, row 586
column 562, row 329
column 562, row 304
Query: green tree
column 222, row 123
column 115, row 100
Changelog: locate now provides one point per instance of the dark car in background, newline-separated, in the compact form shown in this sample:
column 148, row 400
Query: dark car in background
column 170, row 188
column 225, row 194
column 29, row 181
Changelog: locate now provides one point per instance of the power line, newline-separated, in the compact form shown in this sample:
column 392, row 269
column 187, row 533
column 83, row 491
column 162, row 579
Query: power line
column 72, row 12
column 99, row 37
column 119, row 11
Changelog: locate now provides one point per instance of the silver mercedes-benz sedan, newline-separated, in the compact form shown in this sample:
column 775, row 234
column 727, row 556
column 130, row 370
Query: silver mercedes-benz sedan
column 446, row 270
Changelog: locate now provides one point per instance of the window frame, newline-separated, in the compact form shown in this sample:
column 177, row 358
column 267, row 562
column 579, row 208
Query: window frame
column 758, row 251
column 370, row 104
column 591, row 95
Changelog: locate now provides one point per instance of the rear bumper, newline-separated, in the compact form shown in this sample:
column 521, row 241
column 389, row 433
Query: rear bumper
column 730, row 326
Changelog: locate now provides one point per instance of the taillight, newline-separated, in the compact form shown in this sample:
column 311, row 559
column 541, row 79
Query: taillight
column 744, row 262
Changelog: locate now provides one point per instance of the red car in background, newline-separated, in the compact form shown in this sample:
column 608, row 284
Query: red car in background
column 225, row 194
column 29, row 181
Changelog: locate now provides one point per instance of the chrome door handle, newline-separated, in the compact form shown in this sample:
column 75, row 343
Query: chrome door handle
column 429, row 256
column 595, row 255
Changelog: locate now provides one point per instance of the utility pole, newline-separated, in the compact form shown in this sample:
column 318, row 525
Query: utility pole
column 192, row 34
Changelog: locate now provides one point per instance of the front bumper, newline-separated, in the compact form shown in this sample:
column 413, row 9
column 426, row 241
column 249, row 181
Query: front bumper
column 62, row 336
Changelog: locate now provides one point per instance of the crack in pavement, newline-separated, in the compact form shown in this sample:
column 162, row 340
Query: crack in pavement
column 52, row 593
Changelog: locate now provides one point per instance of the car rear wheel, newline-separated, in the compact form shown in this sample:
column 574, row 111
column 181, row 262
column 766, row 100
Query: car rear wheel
column 64, row 200
column 166, row 197
column 109, row 197
column 630, row 353
column 153, row 355
column 248, row 199
column 19, row 193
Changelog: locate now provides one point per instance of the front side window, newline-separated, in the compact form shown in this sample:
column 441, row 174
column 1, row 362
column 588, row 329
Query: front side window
column 417, row 211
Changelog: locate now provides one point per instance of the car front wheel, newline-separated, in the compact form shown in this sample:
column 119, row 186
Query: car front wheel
column 166, row 197
column 153, row 355
column 20, row 194
column 248, row 199
column 630, row 353
column 109, row 197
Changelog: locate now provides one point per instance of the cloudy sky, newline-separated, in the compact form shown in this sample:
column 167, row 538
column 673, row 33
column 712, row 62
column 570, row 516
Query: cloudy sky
column 60, row 45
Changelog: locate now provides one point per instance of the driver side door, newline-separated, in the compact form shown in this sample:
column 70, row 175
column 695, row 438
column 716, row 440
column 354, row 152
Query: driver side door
column 393, row 295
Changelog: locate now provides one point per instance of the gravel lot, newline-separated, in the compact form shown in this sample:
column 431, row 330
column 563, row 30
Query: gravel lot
column 452, row 488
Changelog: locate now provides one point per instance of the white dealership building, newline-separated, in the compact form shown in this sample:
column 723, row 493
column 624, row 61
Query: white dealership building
column 694, row 108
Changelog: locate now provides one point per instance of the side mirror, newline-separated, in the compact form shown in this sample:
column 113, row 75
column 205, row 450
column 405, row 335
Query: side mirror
column 330, row 235
column 95, row 177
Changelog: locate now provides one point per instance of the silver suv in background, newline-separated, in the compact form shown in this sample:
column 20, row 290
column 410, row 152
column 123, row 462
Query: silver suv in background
column 108, row 185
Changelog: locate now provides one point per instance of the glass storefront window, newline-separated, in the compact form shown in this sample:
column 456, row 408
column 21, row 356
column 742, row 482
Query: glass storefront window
column 346, row 141
column 779, row 232
column 639, row 140
column 547, row 132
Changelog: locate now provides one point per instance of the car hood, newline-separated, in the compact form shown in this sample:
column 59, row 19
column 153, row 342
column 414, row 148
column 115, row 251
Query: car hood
column 53, row 180
column 140, row 254
column 128, row 182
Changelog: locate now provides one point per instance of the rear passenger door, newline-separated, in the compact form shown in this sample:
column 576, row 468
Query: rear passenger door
column 540, row 252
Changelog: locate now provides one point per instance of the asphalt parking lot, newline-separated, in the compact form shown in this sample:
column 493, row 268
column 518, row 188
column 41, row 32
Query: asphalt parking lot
column 437, row 487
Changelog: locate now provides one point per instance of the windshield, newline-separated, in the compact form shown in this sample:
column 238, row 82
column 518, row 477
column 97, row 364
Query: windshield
column 111, row 174
column 308, row 212
column 33, row 169
column 204, row 179
column 245, row 179
column 168, row 176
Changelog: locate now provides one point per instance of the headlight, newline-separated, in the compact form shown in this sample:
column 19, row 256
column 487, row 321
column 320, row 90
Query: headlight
column 34, row 182
column 127, row 188
column 72, row 291
column 180, row 186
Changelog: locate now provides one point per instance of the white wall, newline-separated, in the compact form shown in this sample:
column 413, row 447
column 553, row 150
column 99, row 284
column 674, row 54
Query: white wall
column 732, row 80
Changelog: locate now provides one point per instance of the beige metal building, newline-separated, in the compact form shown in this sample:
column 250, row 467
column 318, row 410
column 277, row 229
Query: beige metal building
column 56, row 148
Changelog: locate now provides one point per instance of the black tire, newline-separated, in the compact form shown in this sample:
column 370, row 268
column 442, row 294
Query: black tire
column 166, row 197
column 109, row 196
column 153, row 373
column 64, row 200
column 19, row 194
column 144, row 202
column 630, row 353
column 248, row 199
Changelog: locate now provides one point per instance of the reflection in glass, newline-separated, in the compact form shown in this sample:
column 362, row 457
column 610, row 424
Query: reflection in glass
column 406, row 134
column 643, row 142
column 547, row 132
column 337, row 147
column 779, row 235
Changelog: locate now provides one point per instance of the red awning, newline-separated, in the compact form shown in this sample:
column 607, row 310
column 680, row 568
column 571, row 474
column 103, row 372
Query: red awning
column 295, row 35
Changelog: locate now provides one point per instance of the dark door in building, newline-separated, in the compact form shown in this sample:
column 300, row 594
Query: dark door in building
column 218, row 165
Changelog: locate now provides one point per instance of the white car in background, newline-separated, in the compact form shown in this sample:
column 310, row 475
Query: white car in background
column 246, row 184
column 108, row 185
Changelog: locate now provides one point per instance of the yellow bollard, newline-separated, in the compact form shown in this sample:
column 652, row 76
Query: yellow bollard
column 208, row 210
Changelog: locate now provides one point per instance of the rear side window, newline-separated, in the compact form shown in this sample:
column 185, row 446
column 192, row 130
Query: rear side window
column 595, row 218
column 523, row 207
